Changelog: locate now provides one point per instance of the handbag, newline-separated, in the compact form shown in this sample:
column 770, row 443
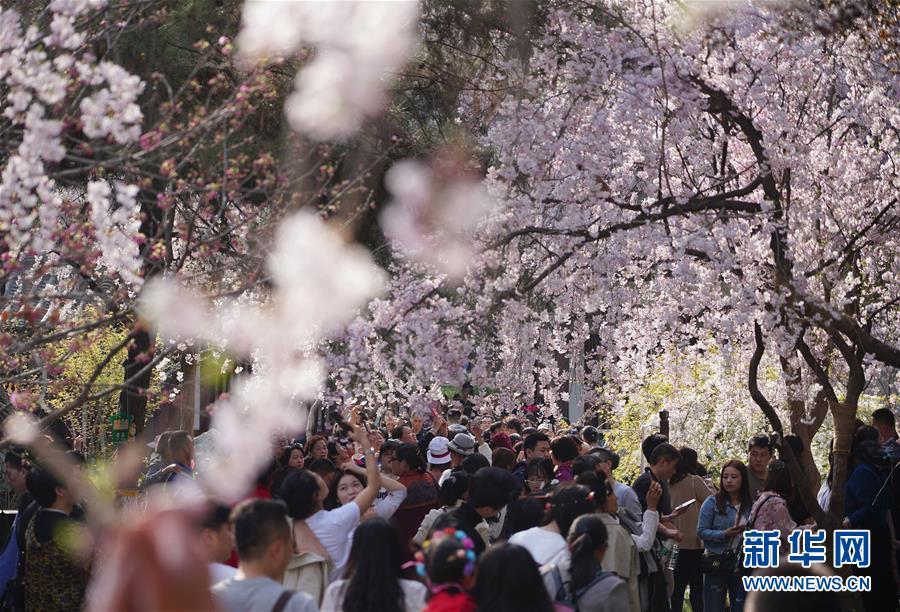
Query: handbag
column 719, row 563
column 726, row 562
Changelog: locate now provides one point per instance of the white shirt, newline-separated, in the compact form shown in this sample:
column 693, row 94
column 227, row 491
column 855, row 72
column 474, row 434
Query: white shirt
column 543, row 544
column 219, row 572
column 331, row 528
column 414, row 594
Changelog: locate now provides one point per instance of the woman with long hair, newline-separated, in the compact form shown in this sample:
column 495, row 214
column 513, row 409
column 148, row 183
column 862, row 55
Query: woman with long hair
column 686, row 486
column 722, row 520
column 546, row 542
column 325, row 531
column 579, row 579
column 508, row 580
column 373, row 579
column 770, row 511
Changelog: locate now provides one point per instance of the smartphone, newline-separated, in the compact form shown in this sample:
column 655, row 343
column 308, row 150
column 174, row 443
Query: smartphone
column 686, row 504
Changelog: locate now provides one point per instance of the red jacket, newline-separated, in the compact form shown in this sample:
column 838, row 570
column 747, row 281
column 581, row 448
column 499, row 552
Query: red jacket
column 451, row 601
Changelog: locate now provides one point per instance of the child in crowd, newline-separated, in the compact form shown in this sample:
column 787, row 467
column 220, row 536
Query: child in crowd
column 449, row 562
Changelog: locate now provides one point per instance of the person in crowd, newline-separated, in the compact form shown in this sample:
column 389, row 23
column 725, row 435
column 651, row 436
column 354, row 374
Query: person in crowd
column 513, row 426
column 217, row 537
column 564, row 451
column 585, row 463
column 438, row 456
column 590, row 435
column 338, row 453
column 504, row 459
column 292, row 456
column 759, row 454
column 16, row 467
column 404, row 434
column 449, row 563
column 501, row 440
column 663, row 463
column 53, row 578
column 628, row 541
column 438, row 428
column 461, row 446
column 316, row 448
column 884, row 422
column 352, row 481
column 567, row 503
column 579, row 578
column 305, row 493
column 796, row 507
column 539, row 480
column 162, row 460
column 377, row 438
column 625, row 495
column 770, row 510
column 490, row 490
column 324, row 468
column 534, row 445
column 473, row 463
column 386, row 456
column 867, row 503
column 823, row 496
column 373, row 579
column 649, row 443
column 720, row 526
column 522, row 514
column 686, row 486
column 181, row 450
column 421, row 491
column 263, row 538
column 507, row 580
column 451, row 494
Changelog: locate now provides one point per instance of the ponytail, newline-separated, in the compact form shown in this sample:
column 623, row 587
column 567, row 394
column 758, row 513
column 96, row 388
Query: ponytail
column 587, row 535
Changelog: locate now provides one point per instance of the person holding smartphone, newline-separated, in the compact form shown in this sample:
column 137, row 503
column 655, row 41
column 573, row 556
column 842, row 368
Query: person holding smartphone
column 723, row 518
column 688, row 491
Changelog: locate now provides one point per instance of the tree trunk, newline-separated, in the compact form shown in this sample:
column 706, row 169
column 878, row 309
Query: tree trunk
column 844, row 420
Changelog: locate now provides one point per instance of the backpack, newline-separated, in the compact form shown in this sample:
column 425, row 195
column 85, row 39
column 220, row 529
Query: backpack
column 564, row 600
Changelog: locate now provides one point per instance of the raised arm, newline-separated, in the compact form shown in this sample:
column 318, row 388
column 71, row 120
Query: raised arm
column 373, row 476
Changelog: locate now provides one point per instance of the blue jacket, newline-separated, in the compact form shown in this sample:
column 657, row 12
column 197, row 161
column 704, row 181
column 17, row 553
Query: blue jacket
column 860, row 503
column 712, row 524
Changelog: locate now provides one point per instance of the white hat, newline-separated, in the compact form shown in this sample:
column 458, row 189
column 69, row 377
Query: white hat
column 438, row 452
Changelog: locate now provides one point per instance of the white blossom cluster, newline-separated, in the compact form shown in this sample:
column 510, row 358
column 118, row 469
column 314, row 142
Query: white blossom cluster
column 37, row 79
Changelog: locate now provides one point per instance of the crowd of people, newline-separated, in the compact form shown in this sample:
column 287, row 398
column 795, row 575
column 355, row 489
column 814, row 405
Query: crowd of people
column 460, row 514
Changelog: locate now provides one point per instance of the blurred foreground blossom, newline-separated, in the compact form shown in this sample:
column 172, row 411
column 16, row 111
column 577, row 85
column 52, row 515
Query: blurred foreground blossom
column 21, row 427
column 435, row 212
column 358, row 45
column 320, row 282
column 152, row 560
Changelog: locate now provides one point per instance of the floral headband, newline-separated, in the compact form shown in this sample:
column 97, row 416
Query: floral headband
column 467, row 552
